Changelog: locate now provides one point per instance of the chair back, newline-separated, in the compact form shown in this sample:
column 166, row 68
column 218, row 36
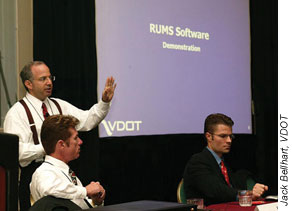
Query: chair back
column 250, row 182
column 180, row 193
column 8, row 171
column 50, row 203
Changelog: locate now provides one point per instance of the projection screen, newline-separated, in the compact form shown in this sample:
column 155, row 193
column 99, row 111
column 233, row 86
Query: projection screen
column 175, row 62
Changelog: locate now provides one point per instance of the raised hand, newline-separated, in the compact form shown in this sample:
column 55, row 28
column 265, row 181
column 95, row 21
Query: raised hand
column 109, row 90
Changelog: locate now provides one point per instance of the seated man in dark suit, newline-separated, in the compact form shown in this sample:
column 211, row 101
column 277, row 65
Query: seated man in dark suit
column 206, row 175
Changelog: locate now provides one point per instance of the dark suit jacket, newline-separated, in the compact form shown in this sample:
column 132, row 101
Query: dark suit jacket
column 203, row 179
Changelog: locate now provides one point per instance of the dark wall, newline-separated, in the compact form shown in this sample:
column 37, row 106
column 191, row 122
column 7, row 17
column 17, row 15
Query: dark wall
column 150, row 167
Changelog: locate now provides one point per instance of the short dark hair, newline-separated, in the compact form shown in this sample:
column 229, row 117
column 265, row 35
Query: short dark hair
column 55, row 128
column 215, row 119
column 26, row 73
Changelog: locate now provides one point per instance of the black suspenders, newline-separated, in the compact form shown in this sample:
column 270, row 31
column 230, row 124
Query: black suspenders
column 31, row 121
column 57, row 105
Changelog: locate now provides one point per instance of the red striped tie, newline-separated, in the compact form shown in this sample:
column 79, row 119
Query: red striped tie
column 45, row 111
column 224, row 172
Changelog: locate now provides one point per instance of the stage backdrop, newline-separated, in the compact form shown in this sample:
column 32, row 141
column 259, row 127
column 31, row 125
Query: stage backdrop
column 175, row 62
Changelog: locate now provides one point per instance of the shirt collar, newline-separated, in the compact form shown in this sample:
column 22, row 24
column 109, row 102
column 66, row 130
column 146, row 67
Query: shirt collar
column 35, row 101
column 218, row 159
column 57, row 163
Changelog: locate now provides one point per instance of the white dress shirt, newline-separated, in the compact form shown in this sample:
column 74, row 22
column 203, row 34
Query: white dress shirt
column 52, row 178
column 16, row 122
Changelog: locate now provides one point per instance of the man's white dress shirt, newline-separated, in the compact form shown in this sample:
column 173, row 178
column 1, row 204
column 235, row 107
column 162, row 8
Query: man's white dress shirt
column 52, row 178
column 16, row 122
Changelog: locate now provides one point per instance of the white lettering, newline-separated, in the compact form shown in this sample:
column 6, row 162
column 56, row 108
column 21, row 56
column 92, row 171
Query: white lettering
column 112, row 127
column 120, row 123
column 129, row 126
column 161, row 29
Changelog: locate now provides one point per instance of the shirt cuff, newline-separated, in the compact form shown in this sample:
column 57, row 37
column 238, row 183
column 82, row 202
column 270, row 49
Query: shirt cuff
column 102, row 106
column 82, row 193
column 40, row 150
column 102, row 103
column 98, row 205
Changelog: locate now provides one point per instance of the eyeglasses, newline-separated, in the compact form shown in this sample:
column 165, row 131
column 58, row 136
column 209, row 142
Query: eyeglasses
column 44, row 78
column 224, row 136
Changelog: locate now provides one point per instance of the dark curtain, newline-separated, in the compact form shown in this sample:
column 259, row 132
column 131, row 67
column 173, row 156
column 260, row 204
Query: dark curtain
column 264, row 66
column 64, row 38
column 150, row 167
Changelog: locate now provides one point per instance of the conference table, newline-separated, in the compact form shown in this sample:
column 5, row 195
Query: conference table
column 146, row 205
column 234, row 206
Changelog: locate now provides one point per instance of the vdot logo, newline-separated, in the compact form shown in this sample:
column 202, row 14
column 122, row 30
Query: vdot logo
column 120, row 126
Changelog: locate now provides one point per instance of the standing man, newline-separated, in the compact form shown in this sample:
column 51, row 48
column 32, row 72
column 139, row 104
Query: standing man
column 206, row 175
column 26, row 117
column 54, row 177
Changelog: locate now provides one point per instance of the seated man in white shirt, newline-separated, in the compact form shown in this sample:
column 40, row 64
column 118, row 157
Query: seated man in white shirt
column 62, row 145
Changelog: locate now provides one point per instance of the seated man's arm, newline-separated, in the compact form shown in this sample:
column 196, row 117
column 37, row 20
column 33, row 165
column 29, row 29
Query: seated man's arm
column 48, row 183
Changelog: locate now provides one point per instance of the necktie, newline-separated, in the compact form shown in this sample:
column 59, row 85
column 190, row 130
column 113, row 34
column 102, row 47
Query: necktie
column 74, row 180
column 73, row 176
column 224, row 172
column 45, row 111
